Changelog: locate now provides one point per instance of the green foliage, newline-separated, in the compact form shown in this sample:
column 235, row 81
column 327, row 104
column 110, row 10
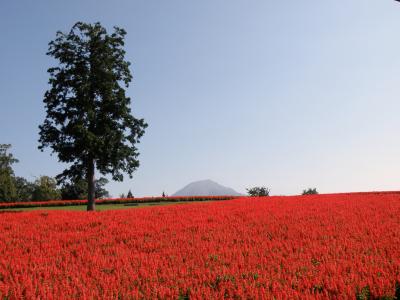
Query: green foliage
column 45, row 188
column 364, row 294
column 258, row 191
column 6, row 159
column 74, row 190
column 8, row 191
column 310, row 191
column 24, row 189
column 100, row 191
column 78, row 189
column 89, row 122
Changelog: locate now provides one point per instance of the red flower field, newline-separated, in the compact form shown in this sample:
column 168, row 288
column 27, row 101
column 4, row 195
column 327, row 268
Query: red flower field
column 301, row 247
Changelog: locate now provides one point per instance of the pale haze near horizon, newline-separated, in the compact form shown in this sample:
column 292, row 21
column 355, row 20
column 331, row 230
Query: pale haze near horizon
column 286, row 94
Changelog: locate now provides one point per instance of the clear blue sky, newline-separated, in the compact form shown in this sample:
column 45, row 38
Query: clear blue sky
column 287, row 94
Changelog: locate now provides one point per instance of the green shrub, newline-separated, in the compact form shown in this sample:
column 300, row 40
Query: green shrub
column 310, row 191
column 258, row 191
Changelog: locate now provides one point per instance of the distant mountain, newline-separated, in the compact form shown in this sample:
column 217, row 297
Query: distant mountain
column 206, row 188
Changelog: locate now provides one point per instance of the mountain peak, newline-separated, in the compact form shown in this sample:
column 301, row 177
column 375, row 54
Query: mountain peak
column 206, row 187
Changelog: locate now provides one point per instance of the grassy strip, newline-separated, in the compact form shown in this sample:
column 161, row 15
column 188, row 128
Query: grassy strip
column 99, row 207
column 113, row 201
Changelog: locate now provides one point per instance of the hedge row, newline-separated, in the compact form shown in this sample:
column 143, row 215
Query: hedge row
column 113, row 201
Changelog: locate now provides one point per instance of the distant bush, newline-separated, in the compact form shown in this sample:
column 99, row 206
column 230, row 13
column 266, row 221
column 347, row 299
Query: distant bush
column 258, row 191
column 310, row 191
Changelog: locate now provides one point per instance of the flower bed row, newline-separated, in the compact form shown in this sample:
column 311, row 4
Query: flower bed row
column 113, row 201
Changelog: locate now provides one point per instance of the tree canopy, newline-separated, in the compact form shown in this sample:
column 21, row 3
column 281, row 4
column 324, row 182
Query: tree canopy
column 88, row 121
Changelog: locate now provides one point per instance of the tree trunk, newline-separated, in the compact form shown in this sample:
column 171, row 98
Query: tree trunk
column 91, row 189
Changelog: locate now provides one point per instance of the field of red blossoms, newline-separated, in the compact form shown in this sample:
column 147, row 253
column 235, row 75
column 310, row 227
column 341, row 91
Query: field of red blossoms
column 300, row 247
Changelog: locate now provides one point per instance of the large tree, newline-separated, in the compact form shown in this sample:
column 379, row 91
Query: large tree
column 89, row 123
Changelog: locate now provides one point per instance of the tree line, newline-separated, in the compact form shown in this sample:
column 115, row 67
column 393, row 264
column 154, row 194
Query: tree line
column 18, row 189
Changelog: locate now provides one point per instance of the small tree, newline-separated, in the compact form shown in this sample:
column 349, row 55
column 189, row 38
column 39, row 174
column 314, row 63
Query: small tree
column 310, row 191
column 45, row 188
column 100, row 191
column 89, row 122
column 24, row 189
column 8, row 191
column 129, row 195
column 258, row 191
column 78, row 189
